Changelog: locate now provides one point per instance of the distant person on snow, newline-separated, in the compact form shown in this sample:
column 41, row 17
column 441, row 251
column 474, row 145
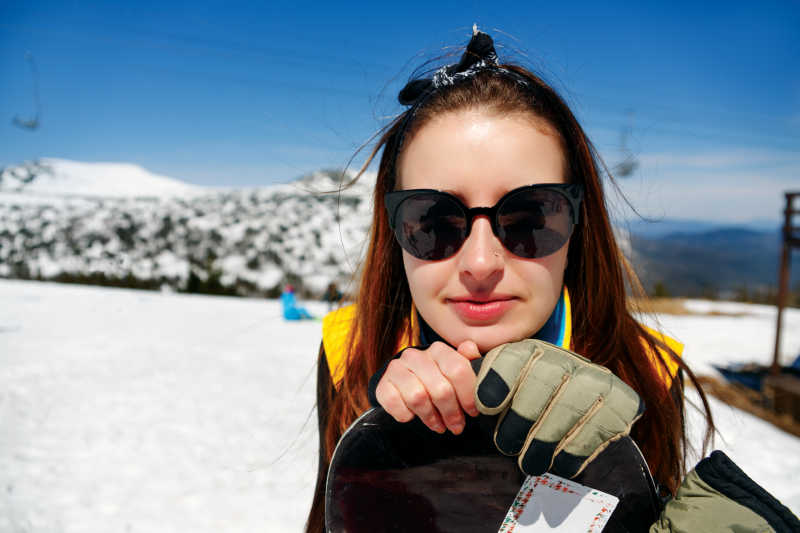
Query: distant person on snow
column 332, row 295
column 491, row 239
column 290, row 309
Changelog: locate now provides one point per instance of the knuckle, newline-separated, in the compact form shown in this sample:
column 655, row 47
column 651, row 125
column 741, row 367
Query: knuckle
column 438, row 346
column 431, row 421
column 394, row 407
column 467, row 400
column 402, row 415
column 385, row 394
column 446, row 364
column 381, row 391
column 461, row 372
column 441, row 392
column 393, row 367
column 417, row 399
column 454, row 420
column 412, row 356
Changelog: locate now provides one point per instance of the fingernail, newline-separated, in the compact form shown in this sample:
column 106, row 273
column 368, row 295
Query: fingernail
column 439, row 428
column 457, row 429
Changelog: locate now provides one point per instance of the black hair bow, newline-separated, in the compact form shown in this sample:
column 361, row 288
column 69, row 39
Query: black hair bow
column 479, row 54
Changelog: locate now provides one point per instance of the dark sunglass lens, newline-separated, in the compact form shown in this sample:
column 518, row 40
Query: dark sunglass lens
column 430, row 226
column 534, row 223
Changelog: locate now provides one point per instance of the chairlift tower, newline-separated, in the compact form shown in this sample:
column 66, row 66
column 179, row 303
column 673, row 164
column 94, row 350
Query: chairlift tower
column 782, row 389
column 791, row 239
column 31, row 124
column 628, row 165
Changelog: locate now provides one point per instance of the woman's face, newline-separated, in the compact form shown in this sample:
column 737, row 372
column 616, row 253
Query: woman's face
column 483, row 293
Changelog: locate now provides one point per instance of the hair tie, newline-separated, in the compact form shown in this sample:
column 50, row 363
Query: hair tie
column 480, row 54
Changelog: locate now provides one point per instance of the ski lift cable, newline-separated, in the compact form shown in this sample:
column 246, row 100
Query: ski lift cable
column 597, row 98
column 709, row 133
column 175, row 42
column 309, row 60
column 304, row 59
column 674, row 128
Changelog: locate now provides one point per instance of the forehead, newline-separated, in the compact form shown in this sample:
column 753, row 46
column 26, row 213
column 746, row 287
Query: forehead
column 479, row 155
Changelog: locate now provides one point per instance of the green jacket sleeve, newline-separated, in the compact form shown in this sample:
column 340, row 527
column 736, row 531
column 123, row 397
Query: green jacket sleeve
column 717, row 496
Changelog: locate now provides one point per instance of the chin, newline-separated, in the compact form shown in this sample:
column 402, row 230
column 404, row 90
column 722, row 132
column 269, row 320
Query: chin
column 490, row 337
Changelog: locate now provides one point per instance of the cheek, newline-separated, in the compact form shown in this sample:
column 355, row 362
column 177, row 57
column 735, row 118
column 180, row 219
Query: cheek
column 556, row 264
column 556, row 268
column 414, row 276
column 545, row 275
column 425, row 278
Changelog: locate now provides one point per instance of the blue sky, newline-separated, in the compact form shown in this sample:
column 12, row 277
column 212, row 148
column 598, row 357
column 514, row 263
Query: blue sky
column 243, row 94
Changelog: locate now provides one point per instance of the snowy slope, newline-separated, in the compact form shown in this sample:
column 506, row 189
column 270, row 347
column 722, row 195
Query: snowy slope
column 55, row 177
column 133, row 411
column 250, row 241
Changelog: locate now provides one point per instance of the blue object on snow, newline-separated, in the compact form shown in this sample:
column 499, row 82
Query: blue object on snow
column 751, row 377
column 290, row 309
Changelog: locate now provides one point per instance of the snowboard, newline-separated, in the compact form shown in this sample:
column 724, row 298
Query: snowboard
column 387, row 476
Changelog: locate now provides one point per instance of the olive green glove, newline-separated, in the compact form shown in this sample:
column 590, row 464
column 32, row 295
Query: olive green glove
column 558, row 409
column 718, row 497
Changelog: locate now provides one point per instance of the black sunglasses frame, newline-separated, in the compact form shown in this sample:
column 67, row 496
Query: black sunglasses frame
column 573, row 192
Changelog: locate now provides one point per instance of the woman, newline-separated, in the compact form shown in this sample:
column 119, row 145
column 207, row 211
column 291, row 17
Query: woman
column 489, row 228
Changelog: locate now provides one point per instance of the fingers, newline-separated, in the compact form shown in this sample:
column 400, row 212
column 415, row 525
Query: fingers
column 502, row 370
column 538, row 391
column 558, row 411
column 469, row 350
column 435, row 384
column 461, row 375
column 610, row 417
column 411, row 396
column 574, row 403
column 586, row 439
column 430, row 367
column 392, row 401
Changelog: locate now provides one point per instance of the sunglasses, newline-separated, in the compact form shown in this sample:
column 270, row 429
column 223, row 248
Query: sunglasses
column 532, row 221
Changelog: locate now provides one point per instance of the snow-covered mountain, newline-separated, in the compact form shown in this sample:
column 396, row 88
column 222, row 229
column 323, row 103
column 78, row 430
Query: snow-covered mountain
column 117, row 224
column 61, row 177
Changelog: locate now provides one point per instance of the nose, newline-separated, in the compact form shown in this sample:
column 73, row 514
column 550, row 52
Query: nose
column 481, row 256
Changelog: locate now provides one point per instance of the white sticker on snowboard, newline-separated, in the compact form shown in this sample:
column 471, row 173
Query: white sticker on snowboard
column 549, row 502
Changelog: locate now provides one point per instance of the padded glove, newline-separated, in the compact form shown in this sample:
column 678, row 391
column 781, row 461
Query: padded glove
column 718, row 497
column 558, row 410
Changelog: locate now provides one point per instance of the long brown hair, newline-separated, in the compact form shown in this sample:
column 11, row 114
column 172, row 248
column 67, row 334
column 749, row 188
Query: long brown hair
column 597, row 277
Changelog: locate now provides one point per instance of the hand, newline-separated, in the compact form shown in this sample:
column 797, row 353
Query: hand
column 558, row 409
column 717, row 497
column 435, row 384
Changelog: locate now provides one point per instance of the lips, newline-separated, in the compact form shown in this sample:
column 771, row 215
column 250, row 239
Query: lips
column 474, row 309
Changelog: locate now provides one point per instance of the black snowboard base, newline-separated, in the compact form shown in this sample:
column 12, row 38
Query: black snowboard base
column 387, row 476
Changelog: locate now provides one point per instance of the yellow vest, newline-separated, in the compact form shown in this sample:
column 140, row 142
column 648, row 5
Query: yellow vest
column 337, row 324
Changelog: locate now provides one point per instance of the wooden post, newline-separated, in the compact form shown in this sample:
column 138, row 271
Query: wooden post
column 790, row 240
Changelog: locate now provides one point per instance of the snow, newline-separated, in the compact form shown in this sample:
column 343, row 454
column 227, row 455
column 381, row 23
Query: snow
column 52, row 176
column 126, row 411
column 733, row 333
column 141, row 411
